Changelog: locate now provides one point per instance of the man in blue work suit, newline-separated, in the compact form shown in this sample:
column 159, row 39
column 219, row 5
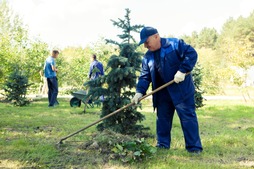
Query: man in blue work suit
column 96, row 68
column 50, row 71
column 167, row 59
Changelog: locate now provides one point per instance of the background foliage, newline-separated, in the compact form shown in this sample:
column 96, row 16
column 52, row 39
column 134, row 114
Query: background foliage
column 221, row 54
column 17, row 49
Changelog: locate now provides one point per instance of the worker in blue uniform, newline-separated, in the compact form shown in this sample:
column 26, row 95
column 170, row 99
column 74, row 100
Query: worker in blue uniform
column 167, row 59
column 96, row 68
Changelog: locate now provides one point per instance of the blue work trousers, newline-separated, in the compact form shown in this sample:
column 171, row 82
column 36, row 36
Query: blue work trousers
column 52, row 90
column 188, row 119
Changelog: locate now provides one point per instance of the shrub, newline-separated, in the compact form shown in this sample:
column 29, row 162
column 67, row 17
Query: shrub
column 132, row 151
column 118, row 146
column 15, row 88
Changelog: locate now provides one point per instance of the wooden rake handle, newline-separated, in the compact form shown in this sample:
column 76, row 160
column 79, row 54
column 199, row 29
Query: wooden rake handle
column 118, row 110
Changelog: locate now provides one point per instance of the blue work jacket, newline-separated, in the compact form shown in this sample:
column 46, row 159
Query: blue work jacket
column 175, row 55
column 95, row 73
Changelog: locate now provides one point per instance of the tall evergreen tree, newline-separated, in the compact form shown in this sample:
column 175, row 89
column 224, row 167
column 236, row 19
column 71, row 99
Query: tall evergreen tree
column 116, row 85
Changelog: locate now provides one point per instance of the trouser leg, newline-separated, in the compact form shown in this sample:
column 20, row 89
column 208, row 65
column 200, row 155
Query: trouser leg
column 165, row 113
column 49, row 82
column 189, row 123
column 54, row 91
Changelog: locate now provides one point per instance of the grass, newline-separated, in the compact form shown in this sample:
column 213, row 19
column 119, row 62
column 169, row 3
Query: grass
column 28, row 136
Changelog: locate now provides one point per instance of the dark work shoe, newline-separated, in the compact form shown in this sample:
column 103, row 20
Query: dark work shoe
column 51, row 106
column 195, row 152
column 161, row 146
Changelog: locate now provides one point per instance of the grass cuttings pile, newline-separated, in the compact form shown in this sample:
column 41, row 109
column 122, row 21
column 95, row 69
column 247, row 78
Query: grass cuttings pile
column 120, row 147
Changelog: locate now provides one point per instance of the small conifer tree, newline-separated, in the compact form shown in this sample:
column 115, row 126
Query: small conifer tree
column 116, row 86
column 16, row 86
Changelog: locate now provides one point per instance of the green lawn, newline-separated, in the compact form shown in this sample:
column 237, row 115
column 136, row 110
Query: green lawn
column 28, row 136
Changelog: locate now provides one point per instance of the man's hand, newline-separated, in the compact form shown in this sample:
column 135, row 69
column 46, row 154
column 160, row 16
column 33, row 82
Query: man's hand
column 136, row 98
column 179, row 77
column 54, row 68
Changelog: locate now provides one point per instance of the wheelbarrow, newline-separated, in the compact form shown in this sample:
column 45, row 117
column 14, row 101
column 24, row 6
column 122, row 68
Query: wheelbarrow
column 78, row 97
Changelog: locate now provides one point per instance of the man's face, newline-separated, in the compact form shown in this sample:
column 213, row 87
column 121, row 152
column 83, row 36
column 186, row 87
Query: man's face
column 55, row 55
column 153, row 43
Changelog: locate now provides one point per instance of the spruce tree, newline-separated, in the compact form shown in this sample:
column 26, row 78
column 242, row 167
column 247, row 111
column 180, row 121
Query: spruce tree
column 197, row 79
column 15, row 87
column 116, row 86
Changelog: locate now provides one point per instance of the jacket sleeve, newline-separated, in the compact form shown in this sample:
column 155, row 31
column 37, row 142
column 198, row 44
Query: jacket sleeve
column 188, row 56
column 144, row 78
